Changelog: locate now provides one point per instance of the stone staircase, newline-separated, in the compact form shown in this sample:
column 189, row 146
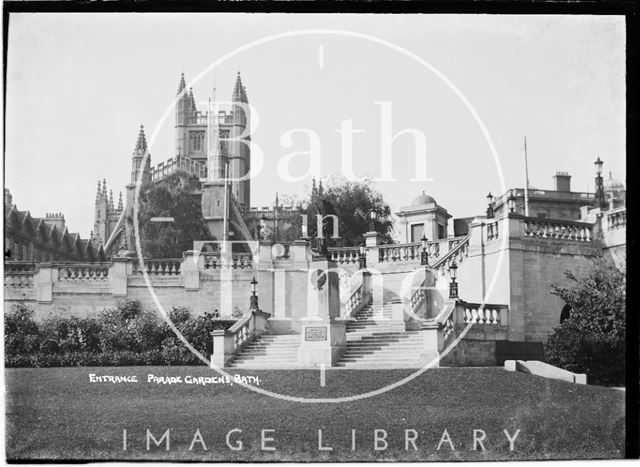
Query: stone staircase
column 375, row 341
column 269, row 351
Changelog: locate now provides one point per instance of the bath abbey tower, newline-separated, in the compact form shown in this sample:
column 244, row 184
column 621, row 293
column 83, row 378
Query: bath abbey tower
column 212, row 144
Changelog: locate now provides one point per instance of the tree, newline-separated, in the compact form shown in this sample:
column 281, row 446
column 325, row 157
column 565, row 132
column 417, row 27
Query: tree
column 592, row 339
column 177, row 196
column 352, row 202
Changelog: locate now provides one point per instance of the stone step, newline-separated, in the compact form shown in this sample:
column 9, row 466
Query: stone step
column 264, row 365
column 390, row 360
column 268, row 354
column 378, row 366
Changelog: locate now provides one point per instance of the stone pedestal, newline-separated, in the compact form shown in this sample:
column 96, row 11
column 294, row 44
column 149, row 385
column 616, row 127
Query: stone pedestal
column 323, row 341
column 322, row 333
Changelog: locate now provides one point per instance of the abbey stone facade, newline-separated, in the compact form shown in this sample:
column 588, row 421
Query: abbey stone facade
column 471, row 290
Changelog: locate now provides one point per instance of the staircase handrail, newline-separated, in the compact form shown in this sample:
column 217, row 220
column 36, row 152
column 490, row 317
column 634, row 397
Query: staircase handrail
column 444, row 261
column 242, row 332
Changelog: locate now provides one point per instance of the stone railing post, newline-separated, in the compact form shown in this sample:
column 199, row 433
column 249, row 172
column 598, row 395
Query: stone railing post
column 514, row 226
column 192, row 262
column 371, row 241
column 218, row 355
column 44, row 280
column 118, row 271
column 260, row 322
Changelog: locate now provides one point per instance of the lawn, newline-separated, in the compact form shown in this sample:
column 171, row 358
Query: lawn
column 57, row 413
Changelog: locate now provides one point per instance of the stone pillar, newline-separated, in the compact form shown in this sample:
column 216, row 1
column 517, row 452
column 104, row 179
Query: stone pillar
column 192, row 262
column 44, row 279
column 323, row 335
column 118, row 276
column 432, row 345
column 299, row 253
column 513, row 225
column 263, row 259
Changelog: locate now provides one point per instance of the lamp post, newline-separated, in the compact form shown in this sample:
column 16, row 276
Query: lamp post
column 490, row 206
column 453, row 286
column 253, row 303
column 362, row 257
column 599, row 201
column 424, row 255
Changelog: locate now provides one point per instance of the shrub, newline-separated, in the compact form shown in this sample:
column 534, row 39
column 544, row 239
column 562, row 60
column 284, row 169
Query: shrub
column 592, row 339
column 22, row 334
column 121, row 335
column 70, row 334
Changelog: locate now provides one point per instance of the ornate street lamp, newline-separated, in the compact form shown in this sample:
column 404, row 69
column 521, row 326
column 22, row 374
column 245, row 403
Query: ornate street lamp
column 489, row 206
column 598, row 164
column 599, row 201
column 362, row 257
column 424, row 255
column 372, row 221
column 253, row 303
column 511, row 202
column 453, row 286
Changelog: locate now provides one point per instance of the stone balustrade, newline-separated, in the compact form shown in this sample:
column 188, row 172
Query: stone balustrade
column 355, row 302
column 417, row 298
column 488, row 314
column 457, row 254
column 492, row 230
column 399, row 252
column 90, row 272
column 19, row 275
column 555, row 229
column 237, row 260
column 617, row 219
column 19, row 280
column 345, row 255
column 159, row 267
column 230, row 342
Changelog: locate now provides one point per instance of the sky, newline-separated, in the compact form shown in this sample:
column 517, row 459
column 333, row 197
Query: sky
column 79, row 86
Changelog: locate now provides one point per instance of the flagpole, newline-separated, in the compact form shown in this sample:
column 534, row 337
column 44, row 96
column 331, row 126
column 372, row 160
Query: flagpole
column 526, row 175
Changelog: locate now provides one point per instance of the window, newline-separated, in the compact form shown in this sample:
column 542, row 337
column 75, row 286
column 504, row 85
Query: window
column 441, row 231
column 565, row 313
column 416, row 232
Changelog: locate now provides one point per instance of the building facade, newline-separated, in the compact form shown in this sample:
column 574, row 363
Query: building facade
column 35, row 239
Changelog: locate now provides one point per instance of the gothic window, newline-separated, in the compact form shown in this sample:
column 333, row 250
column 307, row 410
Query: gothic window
column 223, row 143
column 565, row 313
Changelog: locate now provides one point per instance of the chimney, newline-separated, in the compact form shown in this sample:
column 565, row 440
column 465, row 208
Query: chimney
column 563, row 181
column 56, row 219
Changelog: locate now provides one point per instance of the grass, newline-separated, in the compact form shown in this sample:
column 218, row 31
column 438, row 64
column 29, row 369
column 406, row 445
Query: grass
column 56, row 413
